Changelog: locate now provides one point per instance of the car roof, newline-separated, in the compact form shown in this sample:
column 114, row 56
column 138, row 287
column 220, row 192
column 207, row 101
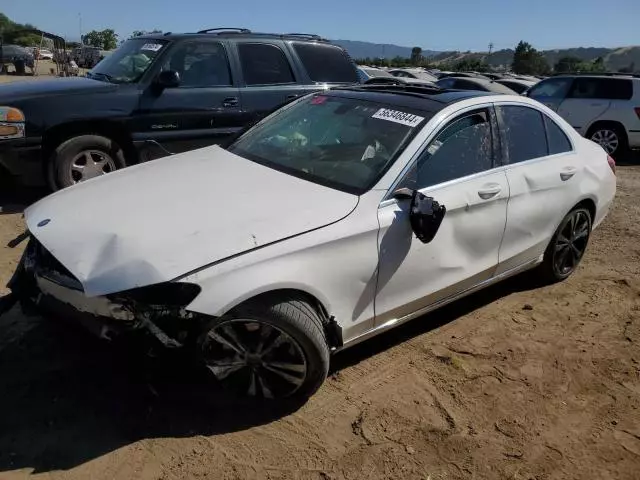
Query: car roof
column 236, row 33
column 428, row 99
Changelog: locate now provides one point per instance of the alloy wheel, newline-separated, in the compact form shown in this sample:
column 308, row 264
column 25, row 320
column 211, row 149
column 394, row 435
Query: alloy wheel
column 607, row 139
column 254, row 358
column 89, row 164
column 571, row 243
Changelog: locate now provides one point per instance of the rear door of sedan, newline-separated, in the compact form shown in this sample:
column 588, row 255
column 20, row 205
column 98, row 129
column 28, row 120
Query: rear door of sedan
column 544, row 174
column 461, row 170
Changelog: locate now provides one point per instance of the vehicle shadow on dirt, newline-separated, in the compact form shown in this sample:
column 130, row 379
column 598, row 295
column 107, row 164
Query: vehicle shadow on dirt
column 67, row 398
column 14, row 197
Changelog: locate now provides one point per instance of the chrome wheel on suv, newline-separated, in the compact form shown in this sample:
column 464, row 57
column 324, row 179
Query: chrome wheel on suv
column 91, row 163
column 607, row 139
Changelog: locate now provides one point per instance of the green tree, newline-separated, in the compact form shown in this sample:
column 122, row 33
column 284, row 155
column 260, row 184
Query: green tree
column 139, row 33
column 13, row 32
column 528, row 61
column 598, row 65
column 104, row 39
column 416, row 55
column 567, row 64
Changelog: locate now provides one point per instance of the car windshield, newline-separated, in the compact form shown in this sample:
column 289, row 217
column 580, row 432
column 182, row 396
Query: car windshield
column 129, row 62
column 343, row 143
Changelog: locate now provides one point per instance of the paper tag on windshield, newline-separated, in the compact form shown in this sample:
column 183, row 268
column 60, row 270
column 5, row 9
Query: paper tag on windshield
column 154, row 47
column 408, row 119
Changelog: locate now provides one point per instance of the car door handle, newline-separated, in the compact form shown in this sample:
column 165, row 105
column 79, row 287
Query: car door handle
column 567, row 173
column 489, row 191
column 292, row 97
column 230, row 102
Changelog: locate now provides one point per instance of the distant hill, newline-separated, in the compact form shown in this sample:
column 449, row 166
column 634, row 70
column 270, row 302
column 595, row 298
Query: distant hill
column 376, row 50
column 614, row 58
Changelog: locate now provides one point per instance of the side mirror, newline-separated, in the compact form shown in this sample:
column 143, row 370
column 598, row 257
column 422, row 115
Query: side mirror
column 167, row 79
column 425, row 214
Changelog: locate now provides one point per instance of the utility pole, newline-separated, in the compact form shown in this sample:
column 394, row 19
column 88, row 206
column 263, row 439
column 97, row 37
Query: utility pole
column 490, row 48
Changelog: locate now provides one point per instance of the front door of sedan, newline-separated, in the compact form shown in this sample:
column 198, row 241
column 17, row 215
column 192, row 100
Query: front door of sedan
column 545, row 176
column 457, row 170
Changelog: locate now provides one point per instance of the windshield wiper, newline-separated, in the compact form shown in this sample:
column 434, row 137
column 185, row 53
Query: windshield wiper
column 98, row 75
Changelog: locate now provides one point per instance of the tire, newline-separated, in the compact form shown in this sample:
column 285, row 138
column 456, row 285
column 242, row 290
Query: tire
column 550, row 269
column 273, row 347
column 612, row 138
column 99, row 154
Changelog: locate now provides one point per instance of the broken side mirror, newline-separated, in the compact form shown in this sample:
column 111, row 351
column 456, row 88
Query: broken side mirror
column 425, row 213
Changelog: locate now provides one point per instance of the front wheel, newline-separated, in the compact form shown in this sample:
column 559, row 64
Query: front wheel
column 567, row 246
column 82, row 158
column 270, row 348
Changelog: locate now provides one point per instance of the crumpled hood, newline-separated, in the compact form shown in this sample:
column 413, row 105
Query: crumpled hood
column 159, row 220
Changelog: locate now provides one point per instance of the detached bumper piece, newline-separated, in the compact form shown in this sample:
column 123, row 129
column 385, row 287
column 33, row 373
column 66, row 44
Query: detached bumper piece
column 43, row 284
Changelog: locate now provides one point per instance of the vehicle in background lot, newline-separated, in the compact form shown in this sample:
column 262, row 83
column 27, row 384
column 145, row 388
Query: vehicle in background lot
column 415, row 73
column 407, row 198
column 518, row 86
column 15, row 55
column 399, row 81
column 463, row 75
column 366, row 73
column 473, row 83
column 86, row 56
column 605, row 109
column 43, row 54
column 161, row 94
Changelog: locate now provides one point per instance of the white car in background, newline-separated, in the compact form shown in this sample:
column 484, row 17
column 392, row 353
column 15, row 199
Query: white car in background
column 605, row 109
column 338, row 217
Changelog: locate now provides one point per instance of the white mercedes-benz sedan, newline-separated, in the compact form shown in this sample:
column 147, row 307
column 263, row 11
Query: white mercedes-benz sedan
column 341, row 215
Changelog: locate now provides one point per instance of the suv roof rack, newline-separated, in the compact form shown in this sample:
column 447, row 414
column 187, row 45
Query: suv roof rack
column 312, row 36
column 225, row 30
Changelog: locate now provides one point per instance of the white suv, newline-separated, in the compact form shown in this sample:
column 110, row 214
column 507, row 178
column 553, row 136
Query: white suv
column 605, row 109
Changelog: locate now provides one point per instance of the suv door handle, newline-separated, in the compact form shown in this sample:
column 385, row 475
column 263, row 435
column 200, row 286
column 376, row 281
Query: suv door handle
column 230, row 102
column 567, row 173
column 291, row 97
column 489, row 190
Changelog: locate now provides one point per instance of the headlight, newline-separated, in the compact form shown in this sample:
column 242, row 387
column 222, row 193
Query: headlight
column 11, row 123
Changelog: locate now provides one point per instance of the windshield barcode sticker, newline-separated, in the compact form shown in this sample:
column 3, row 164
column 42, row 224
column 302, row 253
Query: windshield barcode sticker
column 154, row 47
column 404, row 118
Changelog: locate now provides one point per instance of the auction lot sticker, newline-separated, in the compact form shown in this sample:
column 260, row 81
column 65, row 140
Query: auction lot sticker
column 396, row 116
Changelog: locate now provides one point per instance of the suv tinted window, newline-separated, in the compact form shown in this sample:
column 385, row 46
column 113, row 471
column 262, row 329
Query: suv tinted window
column 200, row 64
column 556, row 138
column 605, row 88
column 524, row 132
column 326, row 63
column 551, row 88
column 264, row 64
column 462, row 148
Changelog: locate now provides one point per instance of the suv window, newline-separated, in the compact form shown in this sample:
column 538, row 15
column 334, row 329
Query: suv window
column 604, row 88
column 524, row 132
column 556, row 138
column 462, row 148
column 264, row 64
column 200, row 64
column 326, row 63
column 551, row 88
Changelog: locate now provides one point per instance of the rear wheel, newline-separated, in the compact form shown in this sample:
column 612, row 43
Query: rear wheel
column 610, row 137
column 270, row 348
column 82, row 158
column 567, row 246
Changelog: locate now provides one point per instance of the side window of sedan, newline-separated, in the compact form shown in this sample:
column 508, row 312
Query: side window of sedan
column 462, row 148
column 524, row 133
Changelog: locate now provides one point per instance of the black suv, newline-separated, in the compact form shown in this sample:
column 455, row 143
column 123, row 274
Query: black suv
column 157, row 95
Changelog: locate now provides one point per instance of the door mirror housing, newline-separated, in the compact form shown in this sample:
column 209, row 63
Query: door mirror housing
column 425, row 213
column 167, row 79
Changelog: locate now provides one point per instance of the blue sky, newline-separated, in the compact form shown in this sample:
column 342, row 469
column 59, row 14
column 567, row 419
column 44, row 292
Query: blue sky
column 442, row 25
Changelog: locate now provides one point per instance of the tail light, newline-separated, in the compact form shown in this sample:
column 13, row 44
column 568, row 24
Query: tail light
column 612, row 164
column 637, row 110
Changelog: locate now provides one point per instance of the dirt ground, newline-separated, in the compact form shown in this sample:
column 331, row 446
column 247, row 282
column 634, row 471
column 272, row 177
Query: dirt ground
column 516, row 382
